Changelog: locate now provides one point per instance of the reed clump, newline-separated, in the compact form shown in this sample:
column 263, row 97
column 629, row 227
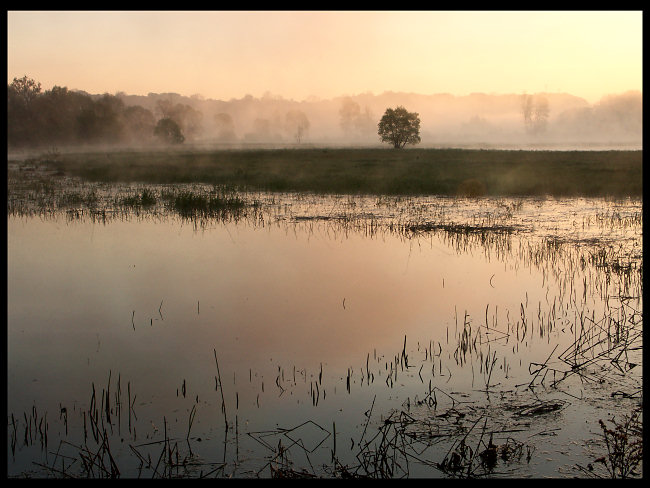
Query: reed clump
column 193, row 204
column 146, row 198
column 188, row 203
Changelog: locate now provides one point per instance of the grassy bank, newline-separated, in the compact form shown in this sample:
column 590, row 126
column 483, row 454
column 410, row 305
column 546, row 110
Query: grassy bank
column 375, row 171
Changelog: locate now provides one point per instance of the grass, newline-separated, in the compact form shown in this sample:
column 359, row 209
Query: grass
column 192, row 204
column 144, row 199
column 374, row 171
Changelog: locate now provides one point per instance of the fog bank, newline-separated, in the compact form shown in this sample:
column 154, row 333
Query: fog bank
column 64, row 118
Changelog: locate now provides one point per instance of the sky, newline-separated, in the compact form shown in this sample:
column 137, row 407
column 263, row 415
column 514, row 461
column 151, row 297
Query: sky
column 303, row 54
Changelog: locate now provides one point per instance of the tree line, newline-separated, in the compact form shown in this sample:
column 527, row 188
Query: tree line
column 65, row 117
column 62, row 117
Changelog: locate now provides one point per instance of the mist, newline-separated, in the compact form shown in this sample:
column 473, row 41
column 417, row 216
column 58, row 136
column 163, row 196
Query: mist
column 446, row 120
column 64, row 118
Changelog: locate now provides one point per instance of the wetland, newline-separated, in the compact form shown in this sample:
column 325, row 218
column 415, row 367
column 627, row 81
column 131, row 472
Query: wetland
column 249, row 320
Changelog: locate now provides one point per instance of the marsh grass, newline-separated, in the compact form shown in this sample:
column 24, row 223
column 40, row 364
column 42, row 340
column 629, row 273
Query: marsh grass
column 189, row 204
column 200, row 204
column 146, row 198
column 78, row 198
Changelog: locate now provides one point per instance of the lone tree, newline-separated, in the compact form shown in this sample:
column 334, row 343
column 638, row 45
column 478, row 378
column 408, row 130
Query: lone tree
column 399, row 127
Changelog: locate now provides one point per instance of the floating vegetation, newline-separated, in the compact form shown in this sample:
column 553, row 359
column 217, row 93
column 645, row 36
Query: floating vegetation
column 460, row 228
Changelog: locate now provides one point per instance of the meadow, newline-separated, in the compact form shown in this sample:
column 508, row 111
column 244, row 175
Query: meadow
column 412, row 171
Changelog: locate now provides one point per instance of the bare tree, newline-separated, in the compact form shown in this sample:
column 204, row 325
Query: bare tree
column 535, row 111
column 296, row 124
column 527, row 111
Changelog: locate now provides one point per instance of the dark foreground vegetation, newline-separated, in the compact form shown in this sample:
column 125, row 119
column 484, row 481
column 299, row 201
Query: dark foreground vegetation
column 371, row 171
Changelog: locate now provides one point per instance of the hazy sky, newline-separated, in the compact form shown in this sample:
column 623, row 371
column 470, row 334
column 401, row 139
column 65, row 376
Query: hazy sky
column 226, row 55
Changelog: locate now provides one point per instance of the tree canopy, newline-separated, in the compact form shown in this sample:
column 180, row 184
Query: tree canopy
column 167, row 130
column 399, row 127
column 63, row 117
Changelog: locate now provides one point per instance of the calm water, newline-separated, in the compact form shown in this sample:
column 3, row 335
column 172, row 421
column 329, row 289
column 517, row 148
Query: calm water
column 304, row 327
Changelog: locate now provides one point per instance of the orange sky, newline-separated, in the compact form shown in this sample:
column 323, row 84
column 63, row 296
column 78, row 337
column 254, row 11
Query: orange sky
column 226, row 55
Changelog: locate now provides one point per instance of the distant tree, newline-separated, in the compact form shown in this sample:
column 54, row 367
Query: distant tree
column 399, row 127
column 191, row 121
column 24, row 89
column 21, row 115
column 535, row 111
column 225, row 127
column 58, row 112
column 139, row 124
column 109, row 110
column 349, row 112
column 353, row 121
column 101, row 122
column 365, row 123
column 168, row 131
column 165, row 108
column 59, row 116
column 621, row 113
column 527, row 111
column 188, row 119
column 615, row 117
column 296, row 124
